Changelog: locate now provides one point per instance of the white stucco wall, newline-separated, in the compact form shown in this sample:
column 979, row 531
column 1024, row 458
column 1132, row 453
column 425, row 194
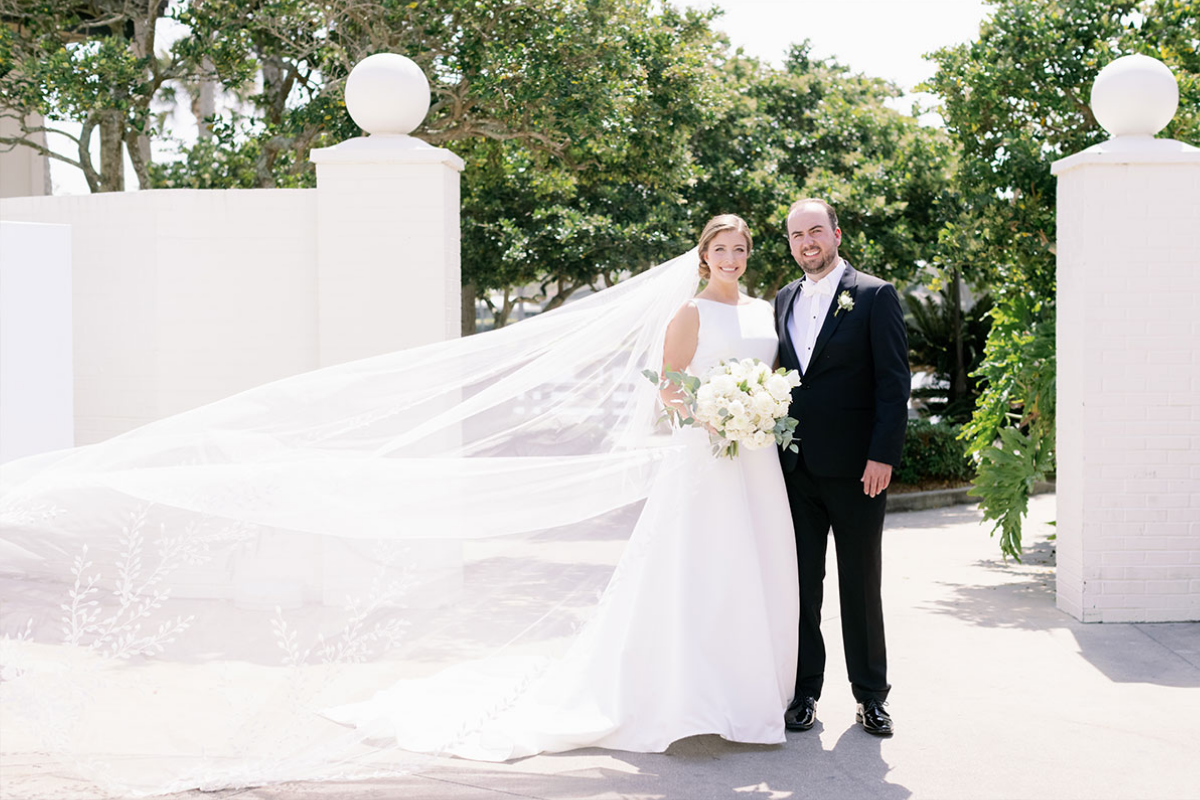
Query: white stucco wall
column 182, row 297
column 36, row 397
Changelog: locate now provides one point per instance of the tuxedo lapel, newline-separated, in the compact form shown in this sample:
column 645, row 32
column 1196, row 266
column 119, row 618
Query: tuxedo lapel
column 833, row 317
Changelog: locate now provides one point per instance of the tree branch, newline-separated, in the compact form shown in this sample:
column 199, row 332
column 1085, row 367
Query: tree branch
column 85, row 154
column 494, row 129
column 15, row 141
column 135, row 157
column 1082, row 107
column 564, row 291
column 20, row 118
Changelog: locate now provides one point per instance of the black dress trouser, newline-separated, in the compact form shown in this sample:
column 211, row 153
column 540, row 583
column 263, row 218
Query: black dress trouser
column 818, row 504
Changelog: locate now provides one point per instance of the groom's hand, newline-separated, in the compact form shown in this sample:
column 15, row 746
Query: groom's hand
column 876, row 477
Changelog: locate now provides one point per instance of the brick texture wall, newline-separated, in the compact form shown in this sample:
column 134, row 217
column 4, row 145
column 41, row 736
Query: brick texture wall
column 1129, row 387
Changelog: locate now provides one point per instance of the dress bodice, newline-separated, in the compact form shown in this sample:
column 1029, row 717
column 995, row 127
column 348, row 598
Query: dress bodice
column 746, row 330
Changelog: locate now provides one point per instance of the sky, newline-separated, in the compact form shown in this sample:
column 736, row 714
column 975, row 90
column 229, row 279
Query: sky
column 882, row 38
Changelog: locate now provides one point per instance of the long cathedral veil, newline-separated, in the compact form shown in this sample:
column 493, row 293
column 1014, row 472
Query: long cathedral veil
column 181, row 601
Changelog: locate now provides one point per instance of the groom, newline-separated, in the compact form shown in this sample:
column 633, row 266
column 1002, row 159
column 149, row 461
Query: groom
column 844, row 331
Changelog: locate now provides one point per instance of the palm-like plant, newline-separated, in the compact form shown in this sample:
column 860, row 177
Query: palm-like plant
column 946, row 339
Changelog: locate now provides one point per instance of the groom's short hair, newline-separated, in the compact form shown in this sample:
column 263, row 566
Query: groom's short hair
column 813, row 201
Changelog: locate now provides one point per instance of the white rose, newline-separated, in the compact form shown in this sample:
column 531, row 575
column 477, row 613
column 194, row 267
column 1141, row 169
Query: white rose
column 737, row 421
column 764, row 404
column 779, row 387
column 751, row 441
column 724, row 384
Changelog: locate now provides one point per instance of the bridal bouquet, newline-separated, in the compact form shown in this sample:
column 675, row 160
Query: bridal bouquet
column 742, row 402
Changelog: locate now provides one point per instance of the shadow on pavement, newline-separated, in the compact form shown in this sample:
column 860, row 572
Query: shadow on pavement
column 703, row 767
column 1164, row 653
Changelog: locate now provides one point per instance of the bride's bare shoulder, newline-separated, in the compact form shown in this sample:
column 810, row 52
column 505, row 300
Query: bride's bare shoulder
column 687, row 315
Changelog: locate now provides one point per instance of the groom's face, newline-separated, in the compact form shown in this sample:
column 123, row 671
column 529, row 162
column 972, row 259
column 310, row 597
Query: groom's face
column 813, row 241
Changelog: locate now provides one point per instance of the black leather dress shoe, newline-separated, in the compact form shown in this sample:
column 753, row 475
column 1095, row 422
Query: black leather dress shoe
column 801, row 714
column 873, row 718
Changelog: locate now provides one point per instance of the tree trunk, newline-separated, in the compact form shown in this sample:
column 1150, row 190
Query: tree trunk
column 500, row 315
column 958, row 387
column 85, row 152
column 560, row 297
column 112, row 155
column 468, row 309
column 204, row 104
column 138, row 146
column 274, row 88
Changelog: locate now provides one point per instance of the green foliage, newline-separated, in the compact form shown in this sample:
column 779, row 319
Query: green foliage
column 812, row 128
column 684, row 387
column 1008, row 470
column 1012, row 430
column 229, row 160
column 90, row 61
column 1019, row 371
column 611, row 201
column 933, row 331
column 1015, row 100
column 933, row 451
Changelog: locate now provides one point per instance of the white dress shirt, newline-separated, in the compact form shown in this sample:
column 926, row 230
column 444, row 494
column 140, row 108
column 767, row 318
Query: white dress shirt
column 809, row 310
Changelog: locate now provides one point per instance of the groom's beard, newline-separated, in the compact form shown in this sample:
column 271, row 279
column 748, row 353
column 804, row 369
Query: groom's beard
column 818, row 267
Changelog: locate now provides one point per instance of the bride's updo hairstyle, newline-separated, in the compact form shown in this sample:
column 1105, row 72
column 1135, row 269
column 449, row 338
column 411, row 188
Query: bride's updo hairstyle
column 720, row 224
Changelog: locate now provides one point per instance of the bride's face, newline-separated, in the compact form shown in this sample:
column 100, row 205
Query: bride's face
column 726, row 256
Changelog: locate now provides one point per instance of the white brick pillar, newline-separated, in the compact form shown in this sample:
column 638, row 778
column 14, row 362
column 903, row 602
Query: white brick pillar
column 1129, row 359
column 388, row 278
column 388, row 270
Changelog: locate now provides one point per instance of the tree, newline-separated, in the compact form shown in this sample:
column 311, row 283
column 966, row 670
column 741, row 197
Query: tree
column 1014, row 101
column 610, row 201
column 87, row 60
column 813, row 128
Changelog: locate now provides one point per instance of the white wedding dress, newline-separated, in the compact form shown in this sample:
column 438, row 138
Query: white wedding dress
column 695, row 634
column 189, row 604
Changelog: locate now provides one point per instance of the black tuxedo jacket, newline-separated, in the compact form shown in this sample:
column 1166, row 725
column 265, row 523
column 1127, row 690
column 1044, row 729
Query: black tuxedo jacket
column 852, row 403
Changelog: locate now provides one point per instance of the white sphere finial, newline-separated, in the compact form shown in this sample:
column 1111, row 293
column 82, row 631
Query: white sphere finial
column 1135, row 96
column 387, row 93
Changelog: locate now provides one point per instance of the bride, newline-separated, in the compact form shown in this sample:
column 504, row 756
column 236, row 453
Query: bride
column 212, row 600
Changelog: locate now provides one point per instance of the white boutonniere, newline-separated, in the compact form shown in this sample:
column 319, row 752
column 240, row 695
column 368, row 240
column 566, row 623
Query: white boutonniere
column 845, row 303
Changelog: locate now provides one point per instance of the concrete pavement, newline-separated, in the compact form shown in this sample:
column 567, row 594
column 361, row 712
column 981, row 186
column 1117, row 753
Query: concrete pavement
column 996, row 695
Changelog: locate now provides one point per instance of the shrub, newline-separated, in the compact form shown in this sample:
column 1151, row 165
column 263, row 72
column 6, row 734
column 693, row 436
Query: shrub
column 933, row 451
